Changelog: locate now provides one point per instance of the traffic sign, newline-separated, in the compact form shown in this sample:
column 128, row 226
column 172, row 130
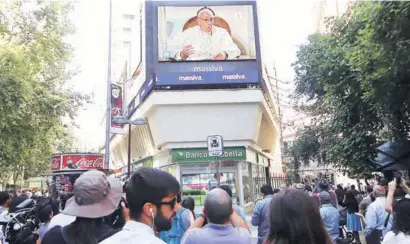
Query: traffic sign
column 215, row 146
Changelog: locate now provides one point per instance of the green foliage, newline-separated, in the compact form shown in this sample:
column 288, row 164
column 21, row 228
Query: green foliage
column 354, row 81
column 33, row 99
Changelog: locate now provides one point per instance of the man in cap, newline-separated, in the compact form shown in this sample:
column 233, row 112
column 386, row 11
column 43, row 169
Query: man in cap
column 330, row 215
column 260, row 215
column 224, row 224
column 152, row 198
column 204, row 41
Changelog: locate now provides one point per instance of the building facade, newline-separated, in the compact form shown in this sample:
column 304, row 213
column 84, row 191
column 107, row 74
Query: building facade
column 230, row 98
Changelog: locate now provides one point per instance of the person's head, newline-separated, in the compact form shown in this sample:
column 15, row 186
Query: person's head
column 325, row 198
column 205, row 19
column 352, row 187
column 401, row 213
column 45, row 209
column 95, row 195
column 323, row 185
column 276, row 191
column 369, row 189
column 227, row 189
column 152, row 197
column 294, row 218
column 340, row 187
column 266, row 190
column 5, row 199
column 218, row 206
column 188, row 203
column 379, row 191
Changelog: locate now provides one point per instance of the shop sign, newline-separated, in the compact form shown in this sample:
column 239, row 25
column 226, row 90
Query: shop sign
column 77, row 161
column 193, row 155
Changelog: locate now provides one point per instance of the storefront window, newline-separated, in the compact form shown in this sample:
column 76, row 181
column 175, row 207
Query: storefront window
column 170, row 169
column 247, row 183
column 197, row 185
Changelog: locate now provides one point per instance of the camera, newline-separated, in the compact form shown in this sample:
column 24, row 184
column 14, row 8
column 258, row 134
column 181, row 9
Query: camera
column 19, row 227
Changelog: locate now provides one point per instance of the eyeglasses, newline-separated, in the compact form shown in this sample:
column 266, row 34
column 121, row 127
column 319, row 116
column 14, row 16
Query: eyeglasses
column 211, row 20
column 171, row 203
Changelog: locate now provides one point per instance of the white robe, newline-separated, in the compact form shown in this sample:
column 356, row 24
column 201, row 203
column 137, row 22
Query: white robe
column 205, row 45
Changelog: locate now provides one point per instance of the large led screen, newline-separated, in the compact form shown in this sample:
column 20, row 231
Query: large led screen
column 206, row 33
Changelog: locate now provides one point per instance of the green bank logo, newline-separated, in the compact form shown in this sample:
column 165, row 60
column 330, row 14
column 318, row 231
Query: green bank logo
column 200, row 155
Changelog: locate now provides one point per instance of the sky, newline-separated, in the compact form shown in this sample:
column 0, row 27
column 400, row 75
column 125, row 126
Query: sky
column 284, row 25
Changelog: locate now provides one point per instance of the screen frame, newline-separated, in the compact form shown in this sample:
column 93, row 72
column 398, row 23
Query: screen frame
column 154, row 66
column 253, row 6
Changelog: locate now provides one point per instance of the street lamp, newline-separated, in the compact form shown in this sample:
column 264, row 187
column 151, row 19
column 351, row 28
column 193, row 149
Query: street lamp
column 124, row 121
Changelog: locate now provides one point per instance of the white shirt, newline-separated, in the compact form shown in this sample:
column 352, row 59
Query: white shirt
column 61, row 220
column 391, row 238
column 205, row 45
column 134, row 233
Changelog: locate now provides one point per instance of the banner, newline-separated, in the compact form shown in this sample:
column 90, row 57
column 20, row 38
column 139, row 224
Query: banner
column 55, row 162
column 116, row 108
column 77, row 161
column 203, row 78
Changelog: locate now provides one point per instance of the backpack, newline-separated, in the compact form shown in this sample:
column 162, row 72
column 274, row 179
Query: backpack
column 175, row 234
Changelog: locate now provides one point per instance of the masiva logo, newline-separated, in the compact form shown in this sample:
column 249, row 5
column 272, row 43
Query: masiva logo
column 210, row 68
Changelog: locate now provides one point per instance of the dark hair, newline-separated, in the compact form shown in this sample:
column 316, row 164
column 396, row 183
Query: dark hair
column 55, row 204
column 203, row 8
column 276, row 191
column 189, row 203
column 369, row 189
column 227, row 189
column 149, row 185
column 4, row 196
column 84, row 231
column 340, row 187
column 294, row 218
column 401, row 222
column 266, row 190
column 353, row 187
column 64, row 199
column 45, row 209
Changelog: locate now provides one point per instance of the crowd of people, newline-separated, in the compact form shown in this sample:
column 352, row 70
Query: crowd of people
column 150, row 208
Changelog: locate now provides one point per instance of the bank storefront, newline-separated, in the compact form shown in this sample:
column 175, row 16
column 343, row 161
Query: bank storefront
column 196, row 171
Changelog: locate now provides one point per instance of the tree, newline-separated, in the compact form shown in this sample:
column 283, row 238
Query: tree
column 34, row 101
column 354, row 81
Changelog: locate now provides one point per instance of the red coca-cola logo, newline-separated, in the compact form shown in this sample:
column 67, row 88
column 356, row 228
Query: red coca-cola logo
column 84, row 163
column 55, row 163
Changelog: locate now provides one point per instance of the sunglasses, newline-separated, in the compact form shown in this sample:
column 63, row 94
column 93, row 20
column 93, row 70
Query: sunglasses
column 171, row 203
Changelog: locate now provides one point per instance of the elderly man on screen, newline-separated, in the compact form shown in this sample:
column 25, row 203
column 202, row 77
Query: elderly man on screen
column 205, row 41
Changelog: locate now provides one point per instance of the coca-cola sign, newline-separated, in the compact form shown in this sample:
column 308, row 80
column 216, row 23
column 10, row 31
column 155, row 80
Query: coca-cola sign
column 81, row 161
column 55, row 162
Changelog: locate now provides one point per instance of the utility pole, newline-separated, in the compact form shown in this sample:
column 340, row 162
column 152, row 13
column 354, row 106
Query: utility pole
column 108, row 111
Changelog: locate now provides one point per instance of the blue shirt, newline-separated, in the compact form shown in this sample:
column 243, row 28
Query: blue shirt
column 260, row 218
column 330, row 217
column 376, row 215
column 217, row 234
column 240, row 212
